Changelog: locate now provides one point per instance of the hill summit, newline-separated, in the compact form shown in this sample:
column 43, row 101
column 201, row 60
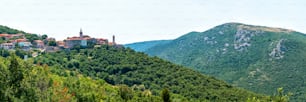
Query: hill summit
column 258, row 58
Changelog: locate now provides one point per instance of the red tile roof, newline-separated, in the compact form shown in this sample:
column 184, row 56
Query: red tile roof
column 10, row 35
column 4, row 35
column 21, row 40
column 74, row 39
column 38, row 41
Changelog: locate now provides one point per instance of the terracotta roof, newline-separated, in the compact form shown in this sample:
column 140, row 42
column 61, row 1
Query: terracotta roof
column 78, row 38
column 21, row 40
column 10, row 35
column 73, row 39
column 38, row 41
column 16, row 34
column 86, row 38
column 60, row 43
column 4, row 35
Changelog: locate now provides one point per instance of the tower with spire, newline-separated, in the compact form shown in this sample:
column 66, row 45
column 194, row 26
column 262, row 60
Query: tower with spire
column 114, row 43
column 81, row 34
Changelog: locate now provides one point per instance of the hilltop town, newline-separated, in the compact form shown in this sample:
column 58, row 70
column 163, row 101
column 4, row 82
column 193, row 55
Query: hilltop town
column 48, row 44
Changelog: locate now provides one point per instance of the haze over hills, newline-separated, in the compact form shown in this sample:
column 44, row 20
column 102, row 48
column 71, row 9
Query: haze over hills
column 143, row 46
column 253, row 57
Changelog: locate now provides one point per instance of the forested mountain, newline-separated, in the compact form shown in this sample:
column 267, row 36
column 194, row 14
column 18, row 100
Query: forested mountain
column 125, row 66
column 257, row 58
column 143, row 46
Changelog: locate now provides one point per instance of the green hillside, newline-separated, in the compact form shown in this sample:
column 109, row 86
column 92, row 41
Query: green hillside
column 125, row 66
column 8, row 30
column 143, row 46
column 22, row 81
column 253, row 57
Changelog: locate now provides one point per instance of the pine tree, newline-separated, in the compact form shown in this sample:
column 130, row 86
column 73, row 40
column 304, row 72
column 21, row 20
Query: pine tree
column 166, row 95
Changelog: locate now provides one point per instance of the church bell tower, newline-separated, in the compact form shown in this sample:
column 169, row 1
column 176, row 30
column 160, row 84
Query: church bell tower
column 81, row 34
column 114, row 40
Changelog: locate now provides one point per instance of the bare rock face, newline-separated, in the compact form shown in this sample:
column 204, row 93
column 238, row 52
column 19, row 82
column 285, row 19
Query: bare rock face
column 243, row 37
column 210, row 40
column 278, row 52
column 221, row 32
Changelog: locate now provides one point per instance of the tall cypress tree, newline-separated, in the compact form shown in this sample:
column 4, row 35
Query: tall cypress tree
column 166, row 95
column 16, row 75
column 3, row 81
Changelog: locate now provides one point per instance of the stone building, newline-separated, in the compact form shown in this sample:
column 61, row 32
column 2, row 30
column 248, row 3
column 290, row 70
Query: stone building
column 70, row 42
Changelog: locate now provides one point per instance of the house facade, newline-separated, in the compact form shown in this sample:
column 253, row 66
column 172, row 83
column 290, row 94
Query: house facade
column 7, row 46
column 39, row 44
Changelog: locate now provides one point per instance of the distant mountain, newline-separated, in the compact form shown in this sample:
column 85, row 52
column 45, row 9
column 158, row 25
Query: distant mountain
column 143, row 46
column 254, row 57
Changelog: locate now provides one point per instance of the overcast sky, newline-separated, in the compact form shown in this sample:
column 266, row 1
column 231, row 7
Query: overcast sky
column 142, row 20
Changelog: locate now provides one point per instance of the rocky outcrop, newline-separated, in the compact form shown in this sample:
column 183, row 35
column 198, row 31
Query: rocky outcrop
column 243, row 38
column 278, row 52
column 210, row 40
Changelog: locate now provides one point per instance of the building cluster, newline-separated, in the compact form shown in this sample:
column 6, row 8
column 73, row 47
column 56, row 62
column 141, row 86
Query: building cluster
column 13, row 41
column 83, row 41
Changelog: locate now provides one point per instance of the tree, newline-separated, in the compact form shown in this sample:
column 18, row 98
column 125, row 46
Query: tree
column 11, row 79
column 3, row 81
column 4, row 53
column 32, row 37
column 281, row 97
column 166, row 95
column 52, row 43
column 125, row 92
column 15, row 71
column 44, row 36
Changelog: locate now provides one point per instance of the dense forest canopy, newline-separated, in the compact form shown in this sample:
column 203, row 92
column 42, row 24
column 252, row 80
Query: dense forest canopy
column 125, row 66
column 22, row 81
